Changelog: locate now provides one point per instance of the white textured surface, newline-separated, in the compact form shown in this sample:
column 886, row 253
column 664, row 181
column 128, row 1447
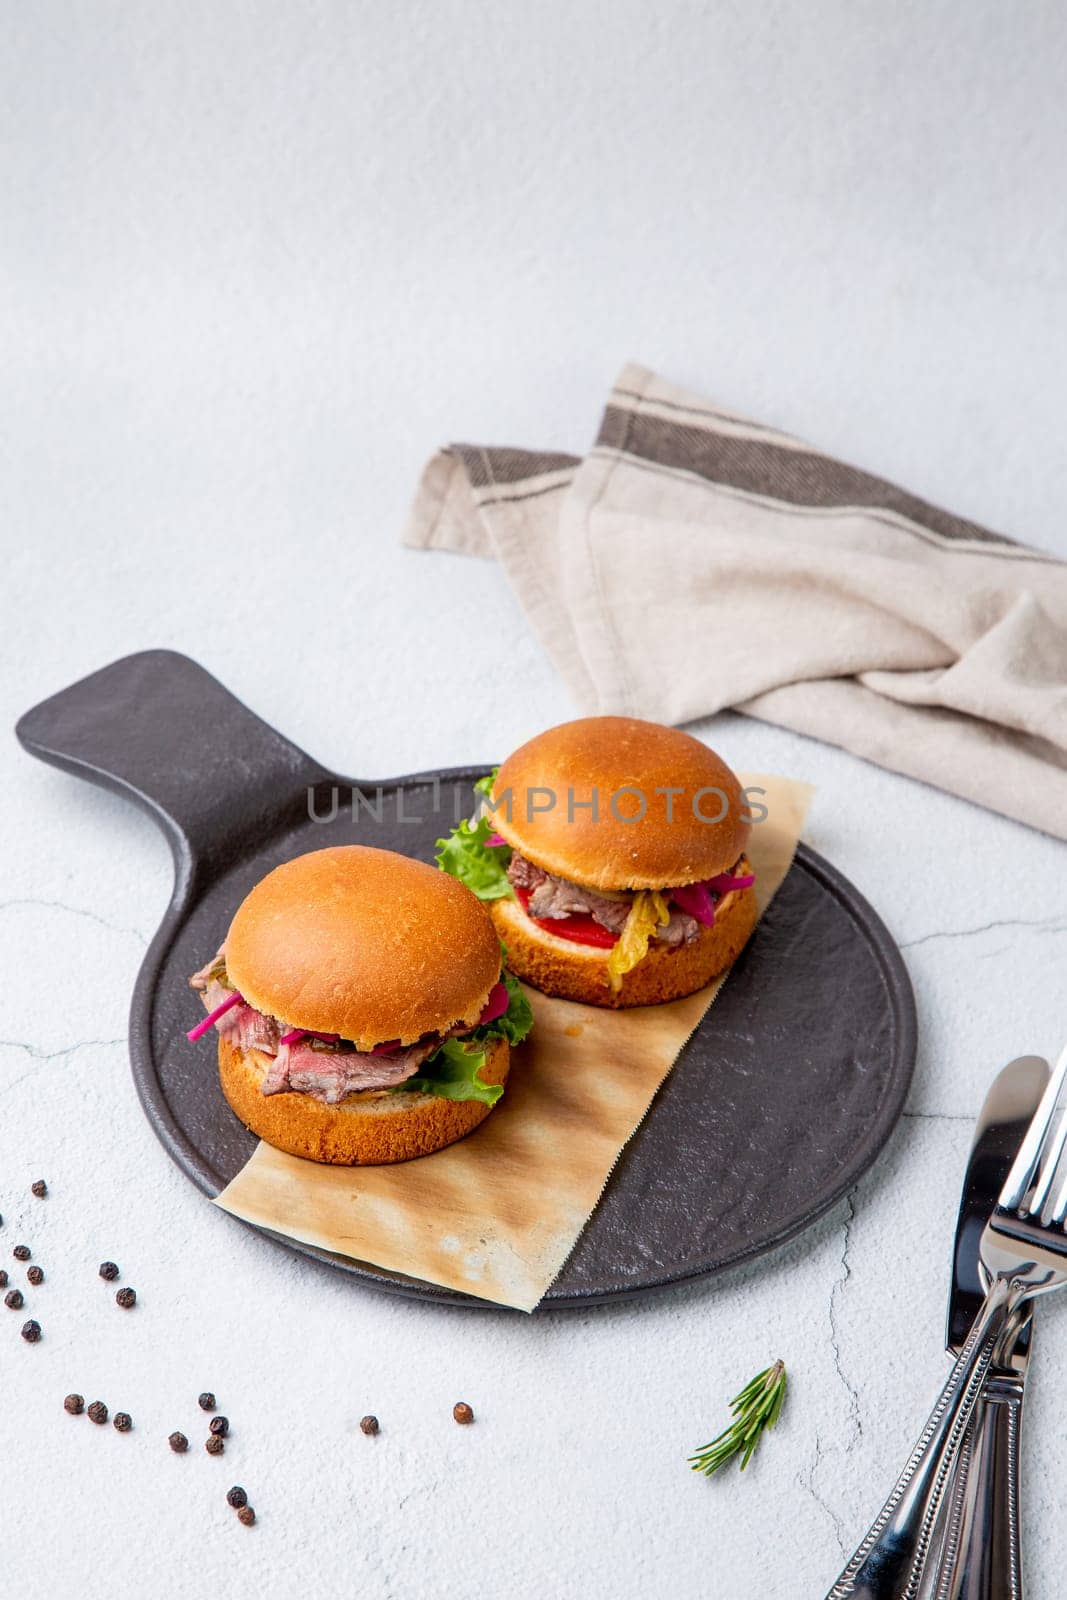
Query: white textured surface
column 259, row 262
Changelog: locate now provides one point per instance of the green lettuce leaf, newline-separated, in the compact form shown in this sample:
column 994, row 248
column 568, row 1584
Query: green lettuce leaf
column 485, row 785
column 466, row 856
column 517, row 1020
column 452, row 1072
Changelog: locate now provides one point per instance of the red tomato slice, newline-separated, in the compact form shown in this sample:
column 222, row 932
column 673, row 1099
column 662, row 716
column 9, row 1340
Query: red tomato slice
column 579, row 929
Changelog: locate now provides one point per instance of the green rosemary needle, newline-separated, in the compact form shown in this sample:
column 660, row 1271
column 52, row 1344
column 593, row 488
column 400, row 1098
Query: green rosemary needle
column 757, row 1407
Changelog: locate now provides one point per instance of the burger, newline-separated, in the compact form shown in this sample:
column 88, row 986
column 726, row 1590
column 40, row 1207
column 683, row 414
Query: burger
column 361, row 1009
column 611, row 854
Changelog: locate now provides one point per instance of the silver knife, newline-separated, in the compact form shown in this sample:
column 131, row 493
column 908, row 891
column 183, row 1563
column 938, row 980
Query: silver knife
column 979, row 1555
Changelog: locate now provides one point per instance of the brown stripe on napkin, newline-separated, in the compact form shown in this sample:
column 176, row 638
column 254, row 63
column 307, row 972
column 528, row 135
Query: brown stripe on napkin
column 487, row 468
column 794, row 475
column 681, row 406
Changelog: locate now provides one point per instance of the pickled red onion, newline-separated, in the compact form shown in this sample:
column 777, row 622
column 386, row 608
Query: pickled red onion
column 496, row 1005
column 228, row 1004
column 725, row 884
column 695, row 898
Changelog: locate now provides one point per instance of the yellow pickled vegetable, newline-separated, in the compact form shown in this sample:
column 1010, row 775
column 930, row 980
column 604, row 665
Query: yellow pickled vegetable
column 648, row 912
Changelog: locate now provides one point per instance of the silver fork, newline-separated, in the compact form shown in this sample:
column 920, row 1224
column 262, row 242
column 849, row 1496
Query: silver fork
column 1024, row 1252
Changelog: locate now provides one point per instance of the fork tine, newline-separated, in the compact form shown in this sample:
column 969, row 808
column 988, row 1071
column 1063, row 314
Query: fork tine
column 1032, row 1149
column 1055, row 1212
column 1058, row 1213
column 1034, row 1204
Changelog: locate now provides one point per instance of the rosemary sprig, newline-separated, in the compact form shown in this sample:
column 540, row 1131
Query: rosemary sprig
column 757, row 1407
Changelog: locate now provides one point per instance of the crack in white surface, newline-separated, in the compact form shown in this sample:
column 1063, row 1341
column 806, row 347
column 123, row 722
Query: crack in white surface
column 74, row 911
column 54, row 1055
column 838, row 1289
column 43, row 1057
column 823, row 1504
column 940, row 1116
column 855, row 1432
column 1051, row 924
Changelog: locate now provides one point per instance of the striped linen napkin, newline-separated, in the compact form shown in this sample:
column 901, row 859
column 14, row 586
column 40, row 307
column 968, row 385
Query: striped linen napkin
column 694, row 561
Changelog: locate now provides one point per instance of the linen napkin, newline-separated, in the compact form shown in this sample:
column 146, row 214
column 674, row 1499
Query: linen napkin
column 694, row 561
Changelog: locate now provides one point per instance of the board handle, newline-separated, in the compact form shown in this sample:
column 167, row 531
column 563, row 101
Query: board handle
column 158, row 729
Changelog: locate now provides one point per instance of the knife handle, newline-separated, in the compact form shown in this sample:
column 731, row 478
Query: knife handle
column 893, row 1559
column 158, row 729
column 981, row 1559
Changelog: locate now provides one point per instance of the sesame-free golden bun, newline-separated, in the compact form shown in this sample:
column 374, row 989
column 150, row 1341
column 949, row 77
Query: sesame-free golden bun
column 573, row 971
column 368, row 1128
column 364, row 943
column 668, row 844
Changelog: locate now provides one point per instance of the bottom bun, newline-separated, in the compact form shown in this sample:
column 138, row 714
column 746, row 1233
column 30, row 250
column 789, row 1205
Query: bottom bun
column 580, row 972
column 366, row 1129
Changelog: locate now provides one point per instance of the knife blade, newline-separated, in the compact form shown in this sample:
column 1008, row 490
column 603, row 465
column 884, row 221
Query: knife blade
column 979, row 1545
column 1010, row 1104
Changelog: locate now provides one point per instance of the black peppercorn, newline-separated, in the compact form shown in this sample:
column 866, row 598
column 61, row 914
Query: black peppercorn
column 123, row 1421
column 35, row 1275
column 236, row 1497
column 39, row 1188
column 97, row 1412
column 369, row 1425
column 22, row 1252
column 206, row 1401
column 3, row 1279
column 126, row 1298
column 13, row 1299
column 178, row 1443
column 462, row 1412
column 75, row 1404
column 214, row 1444
column 108, row 1271
column 246, row 1515
column 31, row 1331
column 220, row 1425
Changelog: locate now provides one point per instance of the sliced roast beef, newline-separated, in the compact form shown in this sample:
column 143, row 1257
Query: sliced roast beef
column 246, row 1027
column 255, row 1031
column 276, row 1080
column 201, row 979
column 555, row 897
column 552, row 898
column 523, row 874
column 302, row 1067
column 681, row 929
column 330, row 1075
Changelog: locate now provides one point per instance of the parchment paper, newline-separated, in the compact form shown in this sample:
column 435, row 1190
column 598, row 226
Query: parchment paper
column 497, row 1214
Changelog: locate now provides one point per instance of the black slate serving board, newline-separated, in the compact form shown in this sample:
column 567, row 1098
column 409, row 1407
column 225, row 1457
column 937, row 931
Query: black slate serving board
column 782, row 1098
